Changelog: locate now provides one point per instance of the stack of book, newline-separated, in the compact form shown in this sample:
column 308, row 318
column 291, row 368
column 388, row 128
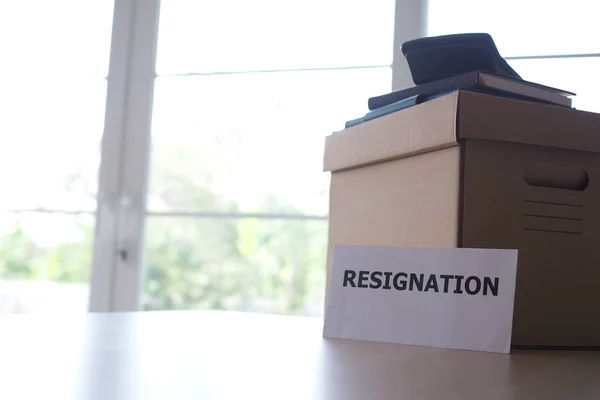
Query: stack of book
column 478, row 81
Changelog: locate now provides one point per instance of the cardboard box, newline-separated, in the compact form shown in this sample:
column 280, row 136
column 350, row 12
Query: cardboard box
column 480, row 171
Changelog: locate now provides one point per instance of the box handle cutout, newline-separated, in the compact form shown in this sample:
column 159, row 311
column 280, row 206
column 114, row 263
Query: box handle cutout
column 556, row 176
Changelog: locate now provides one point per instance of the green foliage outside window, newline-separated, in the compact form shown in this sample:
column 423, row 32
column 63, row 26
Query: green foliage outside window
column 248, row 264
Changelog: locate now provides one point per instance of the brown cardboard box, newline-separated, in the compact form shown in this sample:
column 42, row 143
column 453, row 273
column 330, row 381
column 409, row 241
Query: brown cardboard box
column 474, row 170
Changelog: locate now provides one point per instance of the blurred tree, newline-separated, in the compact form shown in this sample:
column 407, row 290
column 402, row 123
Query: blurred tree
column 248, row 264
column 228, row 263
column 268, row 265
column 17, row 251
column 21, row 258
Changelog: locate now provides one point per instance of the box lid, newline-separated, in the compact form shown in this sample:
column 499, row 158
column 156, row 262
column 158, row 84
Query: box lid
column 444, row 121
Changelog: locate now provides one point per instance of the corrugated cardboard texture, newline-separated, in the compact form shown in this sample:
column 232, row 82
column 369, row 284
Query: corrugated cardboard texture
column 419, row 129
column 556, row 230
column 411, row 201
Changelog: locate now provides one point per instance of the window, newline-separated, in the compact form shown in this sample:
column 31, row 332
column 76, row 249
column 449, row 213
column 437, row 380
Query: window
column 183, row 170
column 245, row 94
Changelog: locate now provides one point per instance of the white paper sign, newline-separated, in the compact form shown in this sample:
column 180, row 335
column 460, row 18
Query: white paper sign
column 452, row 298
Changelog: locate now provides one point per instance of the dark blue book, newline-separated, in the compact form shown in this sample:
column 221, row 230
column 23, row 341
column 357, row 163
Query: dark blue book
column 393, row 107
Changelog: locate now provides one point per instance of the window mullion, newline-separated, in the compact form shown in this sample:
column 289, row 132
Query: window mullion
column 410, row 22
column 116, row 273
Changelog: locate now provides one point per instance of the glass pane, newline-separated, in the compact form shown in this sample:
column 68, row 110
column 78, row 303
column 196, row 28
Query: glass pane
column 238, row 35
column 522, row 28
column 54, row 63
column 50, row 142
column 58, row 37
column 251, row 142
column 577, row 75
column 275, row 266
column 44, row 262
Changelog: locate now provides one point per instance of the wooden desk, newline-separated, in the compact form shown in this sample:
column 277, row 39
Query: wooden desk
column 213, row 355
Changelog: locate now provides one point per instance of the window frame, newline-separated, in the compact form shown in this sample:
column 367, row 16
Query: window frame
column 118, row 246
column 118, row 265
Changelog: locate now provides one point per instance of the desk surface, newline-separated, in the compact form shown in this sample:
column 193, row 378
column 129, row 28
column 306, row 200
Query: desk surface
column 214, row 355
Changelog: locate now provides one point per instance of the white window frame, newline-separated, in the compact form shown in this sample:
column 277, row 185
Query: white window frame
column 118, row 273
column 118, row 248
column 410, row 22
